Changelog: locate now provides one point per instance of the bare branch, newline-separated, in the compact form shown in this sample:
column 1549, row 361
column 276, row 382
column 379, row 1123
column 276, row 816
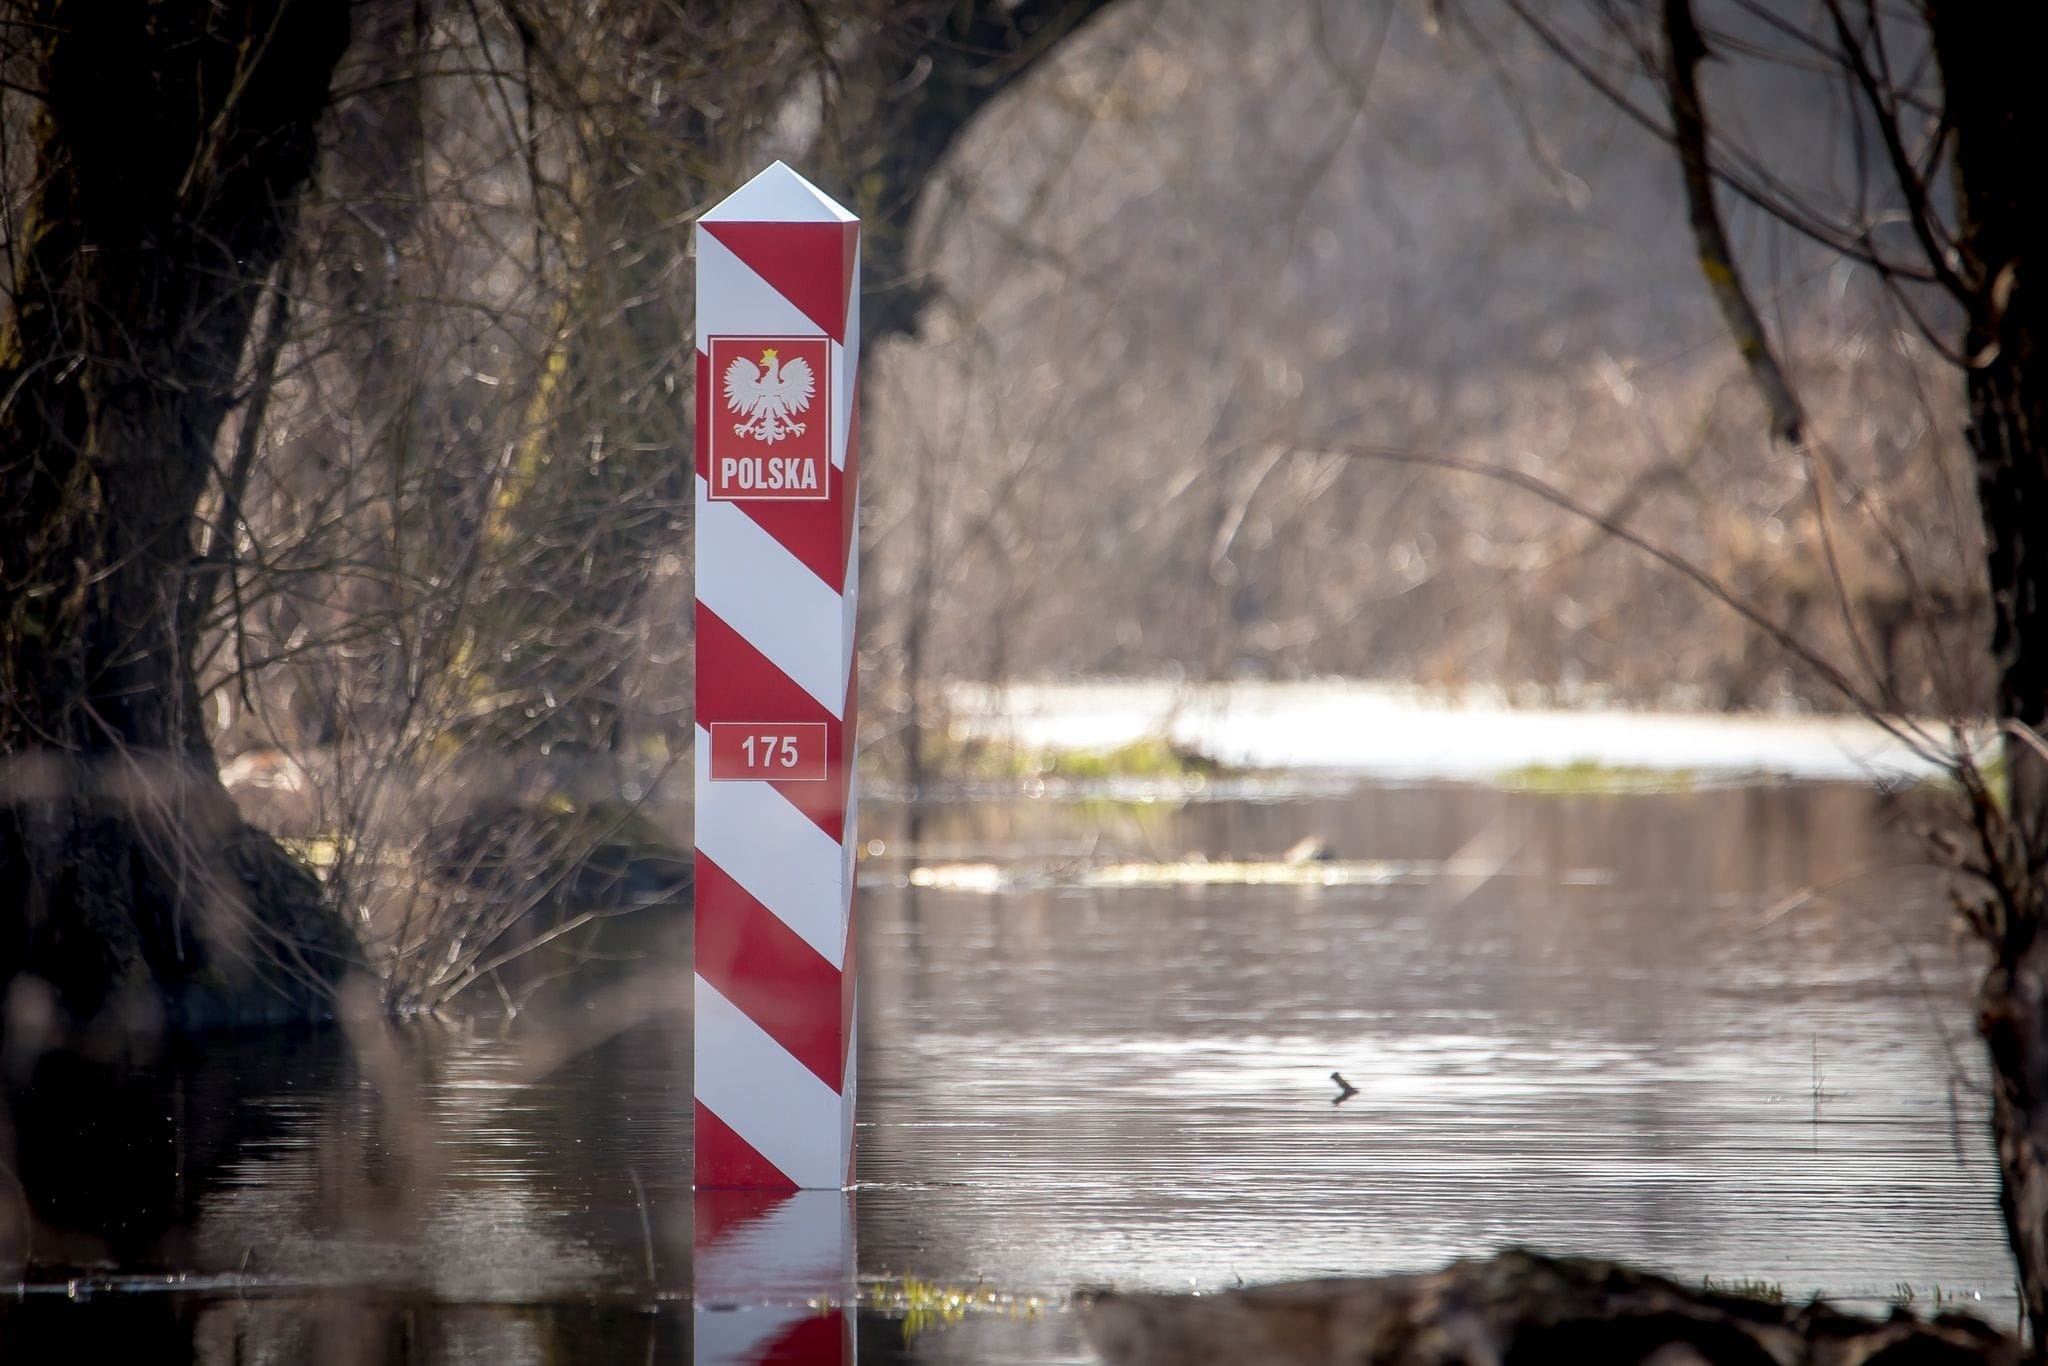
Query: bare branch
column 1870, row 708
column 1879, row 92
column 1684, row 48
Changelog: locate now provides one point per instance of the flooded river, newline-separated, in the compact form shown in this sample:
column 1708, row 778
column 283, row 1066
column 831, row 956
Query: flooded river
column 1722, row 1033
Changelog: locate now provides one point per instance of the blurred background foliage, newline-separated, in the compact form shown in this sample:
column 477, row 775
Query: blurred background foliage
column 1226, row 246
column 1171, row 306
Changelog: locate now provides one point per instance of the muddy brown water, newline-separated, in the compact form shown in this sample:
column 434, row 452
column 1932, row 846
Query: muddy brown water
column 1601, row 1024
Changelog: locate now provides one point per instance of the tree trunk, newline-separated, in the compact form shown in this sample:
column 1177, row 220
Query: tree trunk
column 170, row 142
column 1998, row 112
column 937, row 73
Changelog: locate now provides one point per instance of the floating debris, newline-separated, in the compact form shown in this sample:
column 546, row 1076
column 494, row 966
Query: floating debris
column 924, row 1305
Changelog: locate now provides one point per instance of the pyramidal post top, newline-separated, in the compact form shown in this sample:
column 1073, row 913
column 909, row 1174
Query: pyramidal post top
column 777, row 195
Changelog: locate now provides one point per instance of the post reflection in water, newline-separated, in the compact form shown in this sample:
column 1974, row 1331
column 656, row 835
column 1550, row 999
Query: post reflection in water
column 775, row 1277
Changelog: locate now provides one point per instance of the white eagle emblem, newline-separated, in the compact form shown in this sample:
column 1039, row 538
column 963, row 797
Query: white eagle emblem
column 770, row 396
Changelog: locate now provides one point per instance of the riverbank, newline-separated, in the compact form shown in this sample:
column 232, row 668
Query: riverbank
column 1398, row 733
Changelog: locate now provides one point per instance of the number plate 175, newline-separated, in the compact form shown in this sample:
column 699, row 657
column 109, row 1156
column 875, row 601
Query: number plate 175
column 766, row 751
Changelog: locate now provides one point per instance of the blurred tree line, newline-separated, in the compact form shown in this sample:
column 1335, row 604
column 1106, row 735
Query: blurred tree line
column 1222, row 244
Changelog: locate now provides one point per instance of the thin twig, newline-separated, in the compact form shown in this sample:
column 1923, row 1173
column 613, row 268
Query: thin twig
column 646, row 1228
column 1894, row 725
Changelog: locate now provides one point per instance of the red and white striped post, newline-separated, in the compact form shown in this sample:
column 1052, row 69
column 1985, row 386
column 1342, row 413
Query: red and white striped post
column 778, row 342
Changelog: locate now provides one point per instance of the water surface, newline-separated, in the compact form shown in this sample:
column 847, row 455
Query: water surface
column 1723, row 1033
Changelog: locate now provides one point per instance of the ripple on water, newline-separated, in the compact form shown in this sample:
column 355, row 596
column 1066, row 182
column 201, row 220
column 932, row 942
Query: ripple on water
column 1130, row 1085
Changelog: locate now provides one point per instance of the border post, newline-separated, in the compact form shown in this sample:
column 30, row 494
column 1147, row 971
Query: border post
column 778, row 340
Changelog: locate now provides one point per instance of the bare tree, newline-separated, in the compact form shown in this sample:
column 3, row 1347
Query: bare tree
column 344, row 425
column 1945, row 213
column 141, row 234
